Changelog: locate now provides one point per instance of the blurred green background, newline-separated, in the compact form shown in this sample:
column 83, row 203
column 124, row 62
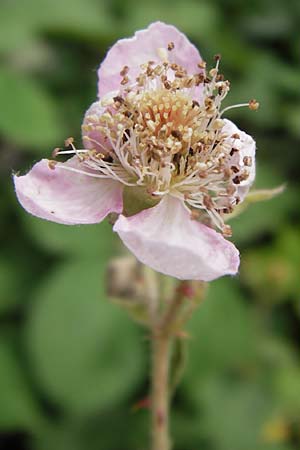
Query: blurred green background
column 72, row 365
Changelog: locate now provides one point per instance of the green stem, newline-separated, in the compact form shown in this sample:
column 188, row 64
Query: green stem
column 160, row 392
column 162, row 334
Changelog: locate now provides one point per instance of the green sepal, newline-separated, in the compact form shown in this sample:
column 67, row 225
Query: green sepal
column 257, row 195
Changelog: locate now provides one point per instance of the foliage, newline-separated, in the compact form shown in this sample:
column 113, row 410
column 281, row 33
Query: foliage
column 72, row 366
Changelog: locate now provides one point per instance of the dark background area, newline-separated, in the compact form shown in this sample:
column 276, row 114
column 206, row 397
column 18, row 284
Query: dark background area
column 72, row 365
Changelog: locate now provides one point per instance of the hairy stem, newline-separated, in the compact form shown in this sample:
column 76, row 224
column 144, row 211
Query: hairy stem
column 162, row 334
column 160, row 392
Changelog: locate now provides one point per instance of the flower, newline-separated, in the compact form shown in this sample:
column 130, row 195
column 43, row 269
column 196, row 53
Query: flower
column 157, row 153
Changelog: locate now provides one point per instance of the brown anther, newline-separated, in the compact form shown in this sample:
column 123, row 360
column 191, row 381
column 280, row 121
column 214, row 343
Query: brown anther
column 167, row 85
column 55, row 152
column 176, row 134
column 127, row 114
column 227, row 210
column 189, row 82
column 217, row 57
column 199, row 78
column 235, row 136
column 220, row 77
column 118, row 99
column 69, row 141
column 235, row 169
column 226, row 231
column 52, row 164
column 207, row 202
column 202, row 65
column 179, row 74
column 164, row 78
column 175, row 66
column 171, row 46
column 124, row 71
column 158, row 70
column 233, row 151
column 195, row 214
column 208, row 102
column 253, row 105
column 195, row 103
column 244, row 176
column 124, row 80
column 149, row 71
column 247, row 160
column 237, row 180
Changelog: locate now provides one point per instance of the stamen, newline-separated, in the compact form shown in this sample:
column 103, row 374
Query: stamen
column 158, row 134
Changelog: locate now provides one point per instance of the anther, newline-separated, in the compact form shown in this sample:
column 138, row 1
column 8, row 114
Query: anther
column 247, row 160
column 124, row 71
column 171, row 46
column 226, row 230
column 125, row 80
column 233, row 151
column 52, row 164
column 202, row 65
column 55, row 152
column 118, row 99
column 253, row 105
column 69, row 141
column 176, row 134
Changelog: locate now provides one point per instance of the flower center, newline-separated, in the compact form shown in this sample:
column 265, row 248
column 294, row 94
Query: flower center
column 163, row 131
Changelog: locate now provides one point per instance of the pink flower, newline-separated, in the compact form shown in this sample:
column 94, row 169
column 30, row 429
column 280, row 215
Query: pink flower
column 157, row 138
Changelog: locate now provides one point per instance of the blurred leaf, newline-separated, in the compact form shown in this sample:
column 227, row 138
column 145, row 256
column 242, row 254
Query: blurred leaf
column 16, row 30
column 95, row 433
column 81, row 240
column 9, row 288
column 287, row 385
column 17, row 406
column 192, row 17
column 28, row 116
column 86, row 354
column 255, row 196
column 234, row 414
column 273, row 271
column 79, row 18
column 222, row 335
column 262, row 217
column 292, row 119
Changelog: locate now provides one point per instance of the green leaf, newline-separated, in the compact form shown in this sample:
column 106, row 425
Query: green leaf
column 17, row 405
column 255, row 196
column 234, row 414
column 28, row 115
column 262, row 217
column 272, row 271
column 9, row 282
column 81, row 240
column 287, row 385
column 86, row 354
column 222, row 335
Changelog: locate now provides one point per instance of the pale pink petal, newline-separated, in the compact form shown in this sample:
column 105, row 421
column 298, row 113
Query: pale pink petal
column 140, row 49
column 247, row 147
column 168, row 240
column 92, row 138
column 67, row 197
